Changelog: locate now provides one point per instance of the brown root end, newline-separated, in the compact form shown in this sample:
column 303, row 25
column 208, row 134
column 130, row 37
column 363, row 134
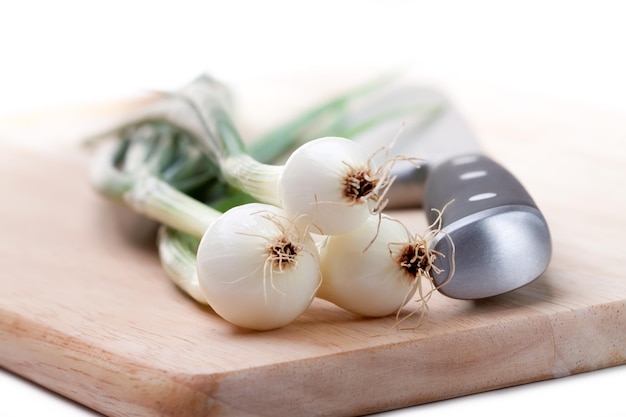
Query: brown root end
column 415, row 260
column 282, row 253
column 359, row 183
column 418, row 261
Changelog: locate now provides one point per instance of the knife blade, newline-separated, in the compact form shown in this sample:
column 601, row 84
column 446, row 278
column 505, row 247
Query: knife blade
column 493, row 235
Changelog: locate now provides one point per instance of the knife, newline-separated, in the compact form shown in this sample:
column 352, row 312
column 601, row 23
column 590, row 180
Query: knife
column 493, row 235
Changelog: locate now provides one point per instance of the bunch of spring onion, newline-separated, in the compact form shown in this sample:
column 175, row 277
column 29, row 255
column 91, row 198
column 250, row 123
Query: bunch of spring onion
column 256, row 264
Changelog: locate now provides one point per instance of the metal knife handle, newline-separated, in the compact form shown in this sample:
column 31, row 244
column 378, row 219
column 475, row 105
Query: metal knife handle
column 493, row 229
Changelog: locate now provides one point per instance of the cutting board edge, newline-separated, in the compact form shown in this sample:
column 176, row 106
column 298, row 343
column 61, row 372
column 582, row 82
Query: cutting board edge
column 153, row 391
column 64, row 364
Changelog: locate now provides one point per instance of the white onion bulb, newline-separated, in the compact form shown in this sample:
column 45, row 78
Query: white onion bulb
column 376, row 282
column 256, row 269
column 327, row 182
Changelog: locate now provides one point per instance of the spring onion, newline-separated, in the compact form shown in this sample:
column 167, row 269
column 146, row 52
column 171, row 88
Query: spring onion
column 376, row 269
column 254, row 266
column 257, row 268
column 328, row 182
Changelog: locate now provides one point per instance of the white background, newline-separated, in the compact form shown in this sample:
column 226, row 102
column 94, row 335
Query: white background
column 65, row 51
column 57, row 53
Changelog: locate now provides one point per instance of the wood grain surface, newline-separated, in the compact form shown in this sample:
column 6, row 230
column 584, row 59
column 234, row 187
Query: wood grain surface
column 86, row 310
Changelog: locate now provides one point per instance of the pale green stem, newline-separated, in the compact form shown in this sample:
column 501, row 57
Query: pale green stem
column 222, row 140
column 159, row 201
column 257, row 179
column 177, row 252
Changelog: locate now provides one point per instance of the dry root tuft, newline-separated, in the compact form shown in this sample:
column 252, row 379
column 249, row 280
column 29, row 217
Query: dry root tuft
column 418, row 260
column 282, row 248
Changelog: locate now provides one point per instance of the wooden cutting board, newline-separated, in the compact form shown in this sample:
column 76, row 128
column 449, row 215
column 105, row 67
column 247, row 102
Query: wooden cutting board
column 86, row 310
